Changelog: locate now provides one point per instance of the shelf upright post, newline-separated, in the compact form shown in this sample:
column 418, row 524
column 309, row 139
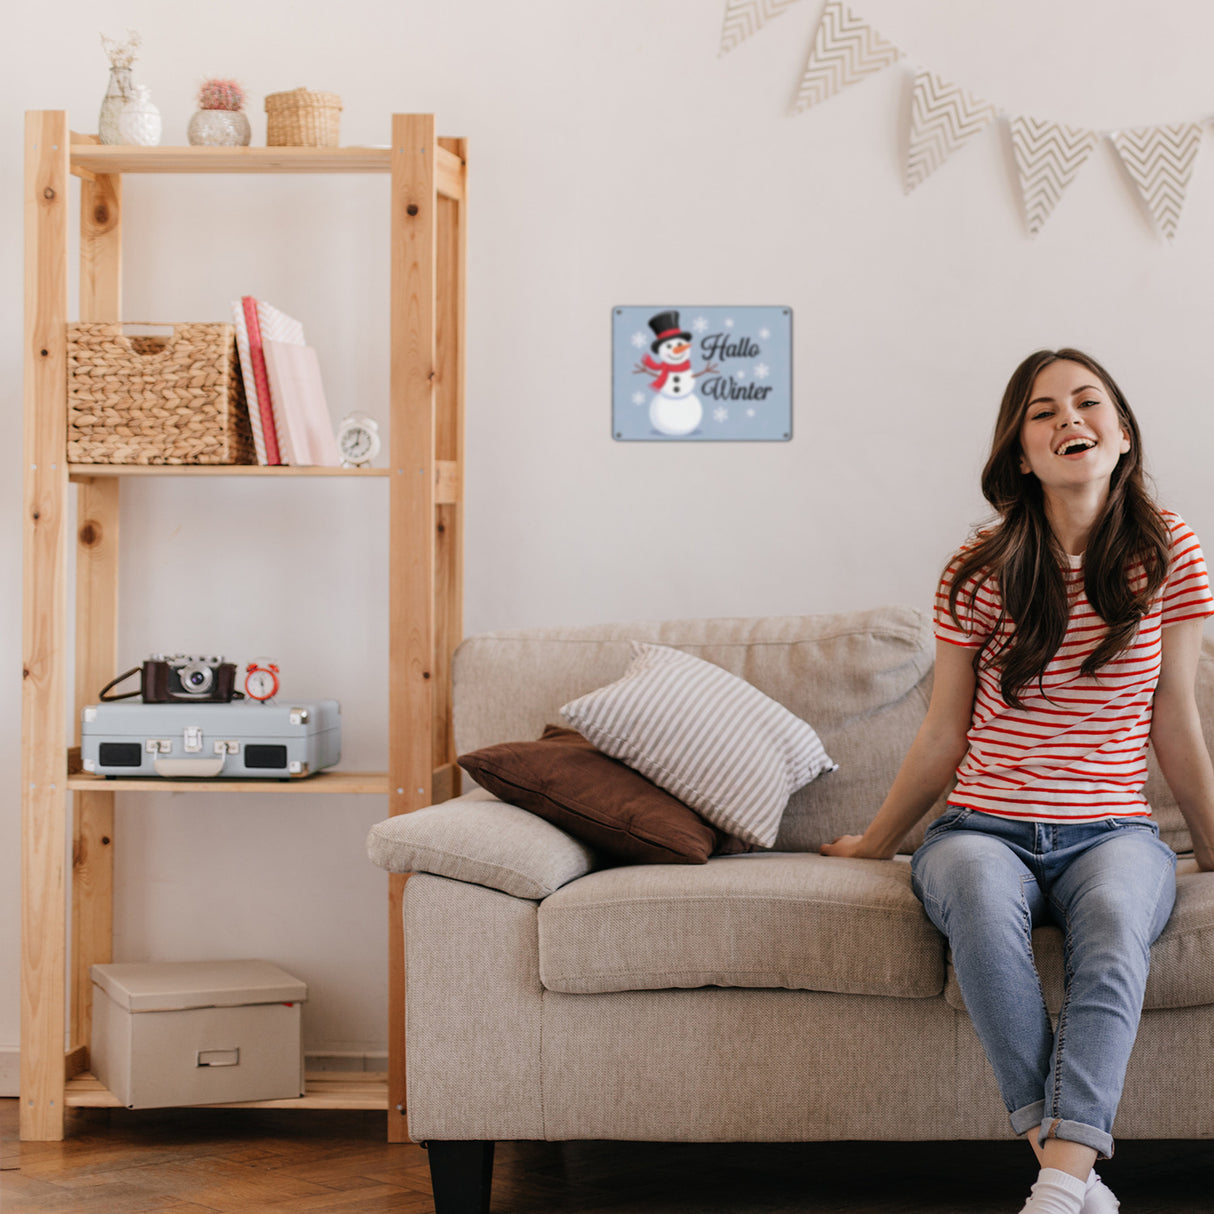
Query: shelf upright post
column 44, row 614
column 452, row 244
column 96, row 624
column 411, row 530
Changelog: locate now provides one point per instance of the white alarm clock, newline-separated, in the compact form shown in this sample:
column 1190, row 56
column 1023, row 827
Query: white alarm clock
column 261, row 681
column 357, row 440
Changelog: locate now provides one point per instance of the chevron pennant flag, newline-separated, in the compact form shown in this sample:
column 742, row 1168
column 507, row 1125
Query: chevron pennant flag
column 943, row 118
column 746, row 17
column 1160, row 160
column 846, row 49
column 1048, row 156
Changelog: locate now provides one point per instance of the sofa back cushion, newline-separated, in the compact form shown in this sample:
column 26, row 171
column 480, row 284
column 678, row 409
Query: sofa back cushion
column 861, row 679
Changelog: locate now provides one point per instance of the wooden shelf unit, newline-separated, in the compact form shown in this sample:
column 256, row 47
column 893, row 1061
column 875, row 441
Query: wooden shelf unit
column 426, row 230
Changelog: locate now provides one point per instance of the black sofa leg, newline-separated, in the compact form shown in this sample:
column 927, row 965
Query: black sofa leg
column 461, row 1174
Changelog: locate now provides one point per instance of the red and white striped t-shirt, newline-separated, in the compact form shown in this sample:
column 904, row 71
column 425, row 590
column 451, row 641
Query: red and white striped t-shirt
column 1078, row 752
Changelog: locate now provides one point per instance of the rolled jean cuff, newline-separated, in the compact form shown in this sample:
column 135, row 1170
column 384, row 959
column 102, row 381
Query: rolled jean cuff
column 1029, row 1117
column 1075, row 1131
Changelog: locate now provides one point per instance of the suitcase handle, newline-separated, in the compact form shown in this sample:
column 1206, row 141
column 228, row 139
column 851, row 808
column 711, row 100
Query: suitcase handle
column 189, row 767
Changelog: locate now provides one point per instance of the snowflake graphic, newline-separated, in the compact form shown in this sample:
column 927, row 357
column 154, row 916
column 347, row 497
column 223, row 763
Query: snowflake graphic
column 700, row 324
column 639, row 340
column 720, row 414
column 739, row 375
column 750, row 412
column 762, row 370
column 765, row 333
column 638, row 398
column 729, row 323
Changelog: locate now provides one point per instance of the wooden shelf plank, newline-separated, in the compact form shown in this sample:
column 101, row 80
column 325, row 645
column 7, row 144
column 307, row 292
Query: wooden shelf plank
column 324, row 1090
column 79, row 472
column 89, row 159
column 123, row 158
column 332, row 782
column 447, row 473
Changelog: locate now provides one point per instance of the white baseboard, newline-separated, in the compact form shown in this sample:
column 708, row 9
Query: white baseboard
column 10, row 1070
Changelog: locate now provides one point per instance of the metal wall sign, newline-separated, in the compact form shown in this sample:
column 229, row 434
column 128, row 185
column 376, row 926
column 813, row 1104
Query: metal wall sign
column 701, row 374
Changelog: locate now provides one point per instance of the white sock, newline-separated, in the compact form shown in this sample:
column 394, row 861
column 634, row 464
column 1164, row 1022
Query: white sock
column 1098, row 1197
column 1056, row 1192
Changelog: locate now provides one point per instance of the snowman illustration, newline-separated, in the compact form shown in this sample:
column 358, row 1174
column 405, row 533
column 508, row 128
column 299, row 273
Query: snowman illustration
column 675, row 409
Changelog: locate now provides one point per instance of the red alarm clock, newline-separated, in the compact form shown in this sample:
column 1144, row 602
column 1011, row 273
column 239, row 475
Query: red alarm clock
column 261, row 680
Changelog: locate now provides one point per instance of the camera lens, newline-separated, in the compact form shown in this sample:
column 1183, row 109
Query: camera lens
column 196, row 678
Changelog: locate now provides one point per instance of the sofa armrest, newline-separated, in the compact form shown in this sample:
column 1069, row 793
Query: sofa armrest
column 483, row 841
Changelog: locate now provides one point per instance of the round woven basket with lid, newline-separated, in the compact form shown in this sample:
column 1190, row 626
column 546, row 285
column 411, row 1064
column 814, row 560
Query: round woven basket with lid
column 300, row 118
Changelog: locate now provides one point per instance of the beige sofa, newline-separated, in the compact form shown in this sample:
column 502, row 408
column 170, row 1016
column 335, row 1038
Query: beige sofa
column 767, row 996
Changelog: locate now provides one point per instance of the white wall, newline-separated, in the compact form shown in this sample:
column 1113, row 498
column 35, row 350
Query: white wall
column 616, row 160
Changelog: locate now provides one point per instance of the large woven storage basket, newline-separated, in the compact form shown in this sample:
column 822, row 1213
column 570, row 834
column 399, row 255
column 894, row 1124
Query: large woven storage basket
column 302, row 119
column 156, row 400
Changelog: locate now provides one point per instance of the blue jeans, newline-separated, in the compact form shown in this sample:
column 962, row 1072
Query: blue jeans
column 986, row 882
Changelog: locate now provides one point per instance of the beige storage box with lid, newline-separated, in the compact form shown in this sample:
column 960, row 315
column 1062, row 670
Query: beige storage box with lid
column 197, row 1032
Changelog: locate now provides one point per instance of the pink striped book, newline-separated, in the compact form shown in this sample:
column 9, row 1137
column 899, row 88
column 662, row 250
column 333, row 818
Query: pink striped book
column 257, row 361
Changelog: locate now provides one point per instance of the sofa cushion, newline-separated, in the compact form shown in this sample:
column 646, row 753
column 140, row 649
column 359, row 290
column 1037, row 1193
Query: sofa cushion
column 598, row 799
column 799, row 922
column 706, row 736
column 1182, row 959
column 479, row 839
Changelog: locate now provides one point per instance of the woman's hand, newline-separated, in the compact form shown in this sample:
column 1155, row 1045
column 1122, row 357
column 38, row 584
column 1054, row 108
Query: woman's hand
column 848, row 846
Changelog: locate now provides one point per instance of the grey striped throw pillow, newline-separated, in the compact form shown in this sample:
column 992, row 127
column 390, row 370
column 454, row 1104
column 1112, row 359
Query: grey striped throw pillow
column 707, row 737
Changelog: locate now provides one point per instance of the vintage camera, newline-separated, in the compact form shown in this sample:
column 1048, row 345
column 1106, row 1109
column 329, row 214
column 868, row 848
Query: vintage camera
column 182, row 677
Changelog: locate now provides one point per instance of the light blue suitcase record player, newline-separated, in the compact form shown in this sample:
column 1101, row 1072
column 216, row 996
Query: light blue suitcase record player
column 240, row 739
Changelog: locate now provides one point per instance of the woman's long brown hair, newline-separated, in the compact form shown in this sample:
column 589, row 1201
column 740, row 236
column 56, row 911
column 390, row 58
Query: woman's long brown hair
column 1023, row 557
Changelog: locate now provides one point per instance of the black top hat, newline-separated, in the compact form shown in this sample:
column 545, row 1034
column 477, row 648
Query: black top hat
column 665, row 325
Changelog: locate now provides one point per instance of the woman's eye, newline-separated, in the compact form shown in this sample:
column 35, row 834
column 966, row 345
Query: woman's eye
column 1088, row 404
column 1036, row 417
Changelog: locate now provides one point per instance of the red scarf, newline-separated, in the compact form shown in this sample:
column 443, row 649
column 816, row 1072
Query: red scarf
column 665, row 369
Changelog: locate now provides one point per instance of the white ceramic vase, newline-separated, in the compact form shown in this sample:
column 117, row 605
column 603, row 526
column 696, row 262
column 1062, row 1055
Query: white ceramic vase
column 219, row 128
column 139, row 122
column 119, row 92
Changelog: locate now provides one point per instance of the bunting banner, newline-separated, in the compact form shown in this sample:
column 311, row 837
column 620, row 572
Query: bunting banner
column 1049, row 156
column 944, row 117
column 1160, row 160
column 846, row 49
column 746, row 17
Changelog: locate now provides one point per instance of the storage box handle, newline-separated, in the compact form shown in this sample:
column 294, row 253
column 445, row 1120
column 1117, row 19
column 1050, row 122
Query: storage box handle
column 136, row 343
column 217, row 1057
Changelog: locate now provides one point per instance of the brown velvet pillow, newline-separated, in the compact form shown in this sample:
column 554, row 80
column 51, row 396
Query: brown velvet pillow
column 599, row 800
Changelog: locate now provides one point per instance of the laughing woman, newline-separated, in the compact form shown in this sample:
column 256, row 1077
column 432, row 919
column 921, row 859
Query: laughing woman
column 1068, row 635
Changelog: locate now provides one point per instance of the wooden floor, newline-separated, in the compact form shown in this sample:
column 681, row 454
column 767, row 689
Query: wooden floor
column 196, row 1161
